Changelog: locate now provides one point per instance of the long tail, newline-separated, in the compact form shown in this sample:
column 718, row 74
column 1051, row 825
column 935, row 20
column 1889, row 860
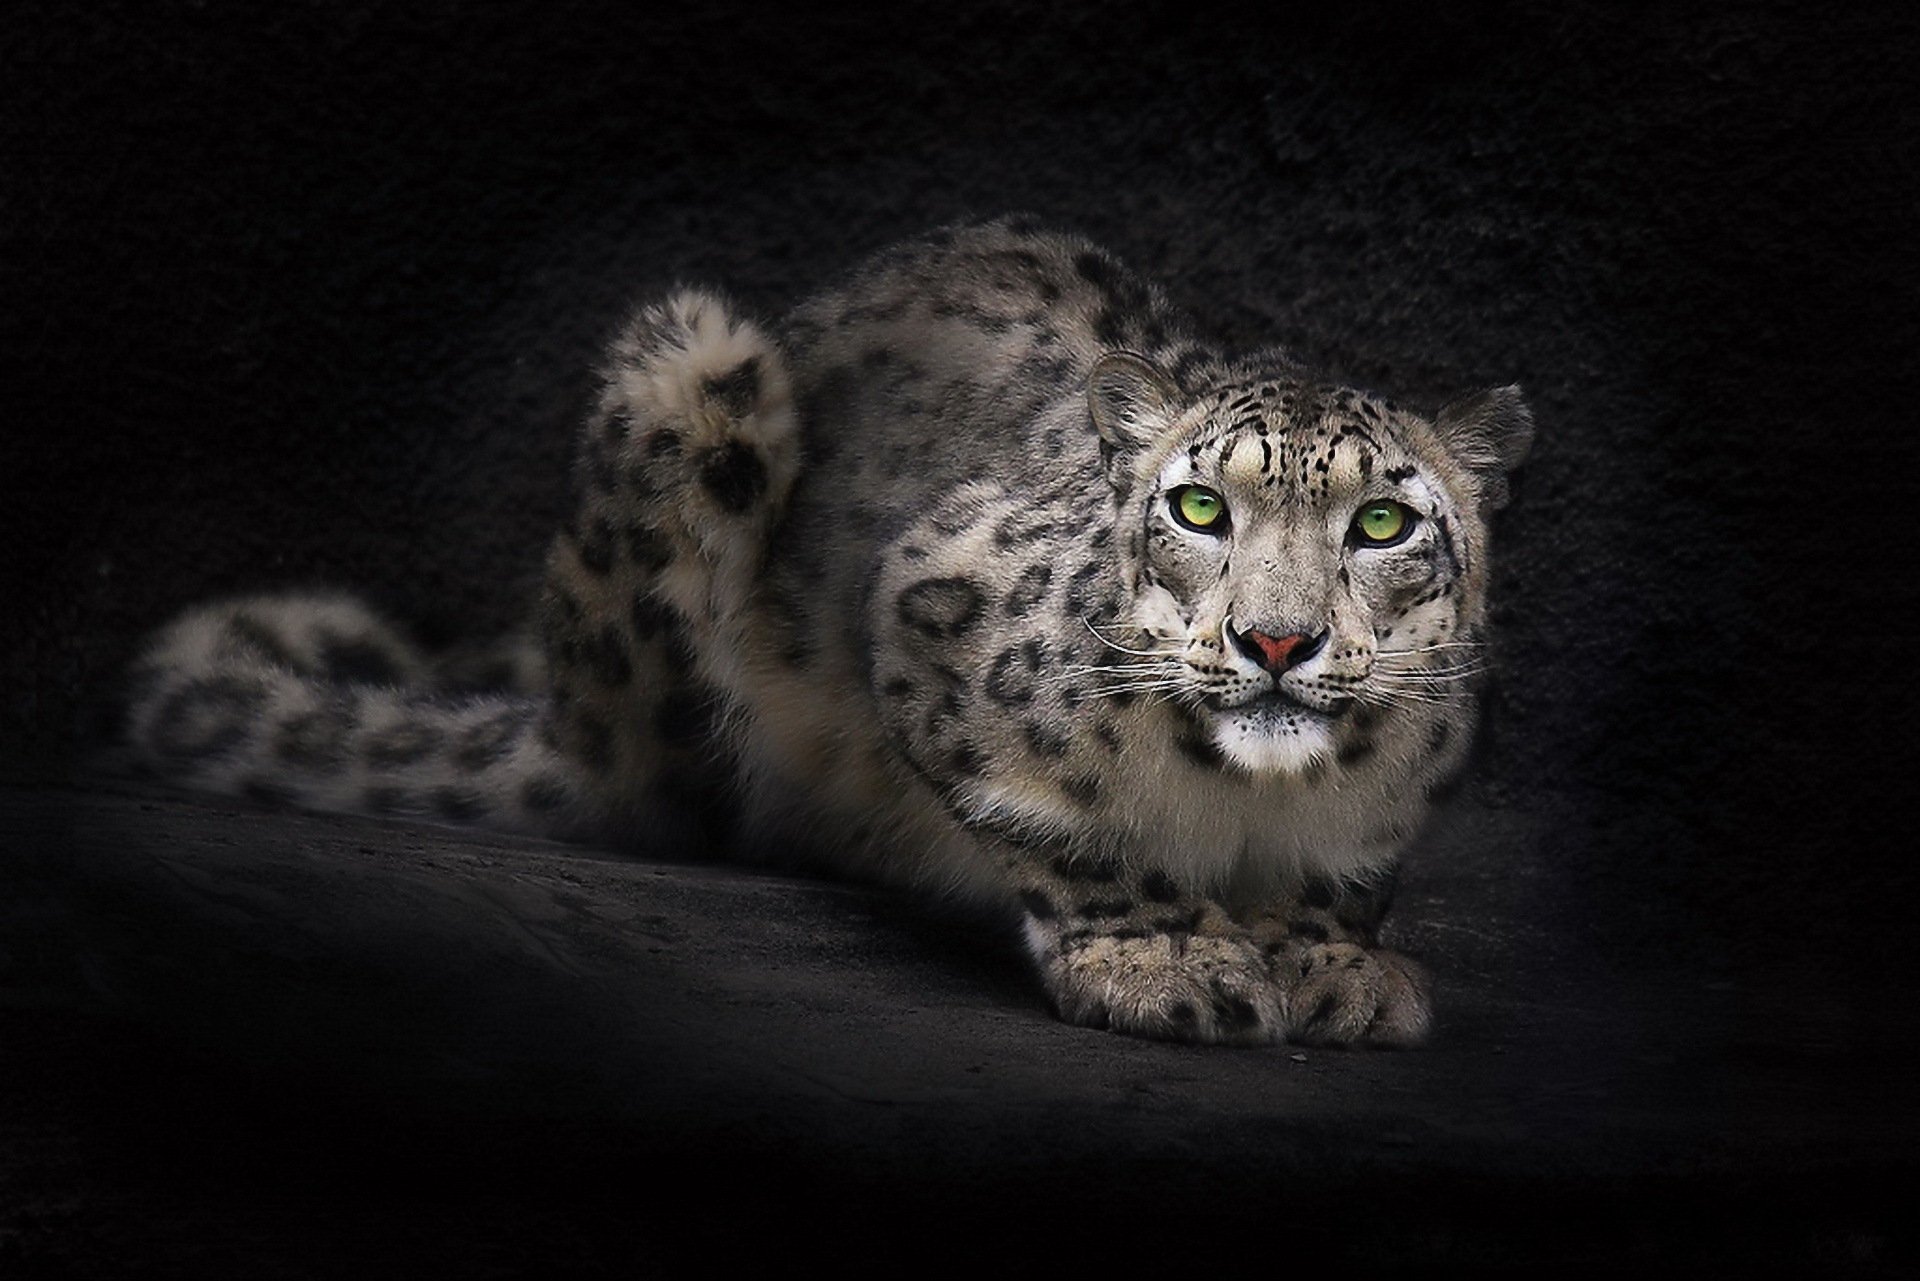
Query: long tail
column 652, row 589
column 313, row 701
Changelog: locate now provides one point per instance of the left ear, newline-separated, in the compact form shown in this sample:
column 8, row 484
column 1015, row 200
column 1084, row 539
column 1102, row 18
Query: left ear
column 1489, row 433
column 1130, row 401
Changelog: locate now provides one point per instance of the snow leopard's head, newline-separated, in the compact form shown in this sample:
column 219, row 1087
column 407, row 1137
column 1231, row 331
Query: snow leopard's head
column 1296, row 550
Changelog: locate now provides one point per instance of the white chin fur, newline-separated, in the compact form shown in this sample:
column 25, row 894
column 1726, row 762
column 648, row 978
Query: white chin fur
column 1262, row 742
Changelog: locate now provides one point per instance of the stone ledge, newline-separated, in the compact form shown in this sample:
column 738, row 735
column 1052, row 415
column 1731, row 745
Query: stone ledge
column 526, row 1010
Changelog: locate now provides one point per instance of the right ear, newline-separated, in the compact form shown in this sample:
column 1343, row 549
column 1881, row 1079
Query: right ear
column 1490, row 432
column 1131, row 401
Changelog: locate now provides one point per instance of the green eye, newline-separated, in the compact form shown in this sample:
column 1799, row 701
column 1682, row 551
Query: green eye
column 1383, row 523
column 1198, row 507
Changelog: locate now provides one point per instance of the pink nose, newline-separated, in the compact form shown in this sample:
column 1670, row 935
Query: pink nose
column 1278, row 653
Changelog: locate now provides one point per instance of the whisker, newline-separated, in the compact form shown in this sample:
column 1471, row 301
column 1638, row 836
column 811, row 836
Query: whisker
column 1469, row 665
column 1443, row 690
column 1398, row 698
column 1135, row 687
column 1402, row 657
column 1140, row 673
column 1111, row 644
column 1437, row 645
column 1432, row 676
column 1152, row 696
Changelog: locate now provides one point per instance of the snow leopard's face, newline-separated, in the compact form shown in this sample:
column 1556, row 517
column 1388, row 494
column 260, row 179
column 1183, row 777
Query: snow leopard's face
column 1298, row 551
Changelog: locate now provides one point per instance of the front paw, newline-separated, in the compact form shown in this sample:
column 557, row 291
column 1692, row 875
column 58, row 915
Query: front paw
column 1168, row 986
column 1344, row 994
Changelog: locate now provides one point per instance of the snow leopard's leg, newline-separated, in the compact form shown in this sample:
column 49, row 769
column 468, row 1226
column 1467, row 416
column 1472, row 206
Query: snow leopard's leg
column 1339, row 987
column 682, row 473
column 1133, row 952
column 312, row 700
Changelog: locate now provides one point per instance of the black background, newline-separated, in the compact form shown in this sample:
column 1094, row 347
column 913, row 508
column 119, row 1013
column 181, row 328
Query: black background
column 309, row 293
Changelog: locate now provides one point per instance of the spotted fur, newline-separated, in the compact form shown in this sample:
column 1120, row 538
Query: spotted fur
column 901, row 582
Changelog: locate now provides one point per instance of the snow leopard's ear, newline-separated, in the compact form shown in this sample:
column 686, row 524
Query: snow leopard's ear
column 1131, row 402
column 1488, row 433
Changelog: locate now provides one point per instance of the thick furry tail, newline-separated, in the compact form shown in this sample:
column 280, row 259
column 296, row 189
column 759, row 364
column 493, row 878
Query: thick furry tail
column 314, row 701
column 687, row 466
column 684, row 473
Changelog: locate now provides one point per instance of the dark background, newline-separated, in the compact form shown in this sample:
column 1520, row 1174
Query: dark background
column 310, row 293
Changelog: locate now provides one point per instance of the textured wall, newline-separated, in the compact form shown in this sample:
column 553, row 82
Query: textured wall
column 308, row 293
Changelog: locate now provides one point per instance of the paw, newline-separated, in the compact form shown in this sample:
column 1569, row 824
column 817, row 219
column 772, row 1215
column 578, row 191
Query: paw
column 1170, row 987
column 1344, row 994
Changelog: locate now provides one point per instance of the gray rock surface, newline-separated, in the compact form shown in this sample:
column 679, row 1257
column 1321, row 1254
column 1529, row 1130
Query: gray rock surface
column 308, row 294
column 297, row 1018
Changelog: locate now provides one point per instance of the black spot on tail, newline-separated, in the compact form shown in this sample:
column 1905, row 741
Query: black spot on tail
column 605, row 655
column 596, row 546
column 616, row 426
column 734, row 474
column 651, row 617
column 737, row 391
column 317, row 740
column 247, row 632
column 208, row 719
column 402, row 744
column 649, row 548
column 489, row 742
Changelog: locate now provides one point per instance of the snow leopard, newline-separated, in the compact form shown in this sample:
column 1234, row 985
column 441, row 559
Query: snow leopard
column 981, row 573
